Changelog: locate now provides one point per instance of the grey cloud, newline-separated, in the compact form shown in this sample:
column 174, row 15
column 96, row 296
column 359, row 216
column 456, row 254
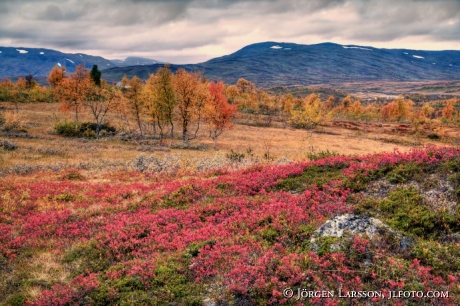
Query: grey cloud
column 184, row 28
column 52, row 12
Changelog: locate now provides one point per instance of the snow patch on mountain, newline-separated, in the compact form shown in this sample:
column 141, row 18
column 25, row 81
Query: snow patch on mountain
column 360, row 48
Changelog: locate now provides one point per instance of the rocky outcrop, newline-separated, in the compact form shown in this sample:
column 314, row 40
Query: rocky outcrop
column 354, row 225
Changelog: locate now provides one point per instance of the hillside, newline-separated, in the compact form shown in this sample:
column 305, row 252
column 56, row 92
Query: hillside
column 39, row 62
column 266, row 64
column 16, row 62
column 271, row 64
column 255, row 236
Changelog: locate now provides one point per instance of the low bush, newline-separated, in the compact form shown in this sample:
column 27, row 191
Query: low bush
column 82, row 129
column 7, row 145
column 235, row 156
column 322, row 154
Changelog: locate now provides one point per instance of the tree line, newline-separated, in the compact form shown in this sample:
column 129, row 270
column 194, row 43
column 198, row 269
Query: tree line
column 184, row 102
column 160, row 105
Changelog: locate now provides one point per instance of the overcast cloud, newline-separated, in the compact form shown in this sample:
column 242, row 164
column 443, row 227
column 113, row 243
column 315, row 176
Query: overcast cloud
column 191, row 31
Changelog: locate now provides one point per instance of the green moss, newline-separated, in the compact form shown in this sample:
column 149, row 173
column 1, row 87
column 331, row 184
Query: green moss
column 366, row 207
column 404, row 172
column 325, row 244
column 361, row 179
column 316, row 175
column 87, row 257
column 451, row 165
column 180, row 199
column 404, row 209
column 17, row 299
column 269, row 234
column 172, row 284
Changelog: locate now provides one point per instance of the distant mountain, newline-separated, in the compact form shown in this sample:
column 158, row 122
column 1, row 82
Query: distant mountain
column 39, row 62
column 135, row 61
column 266, row 64
column 287, row 64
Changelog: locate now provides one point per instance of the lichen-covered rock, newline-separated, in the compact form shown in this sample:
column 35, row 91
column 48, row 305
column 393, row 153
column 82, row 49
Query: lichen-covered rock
column 354, row 225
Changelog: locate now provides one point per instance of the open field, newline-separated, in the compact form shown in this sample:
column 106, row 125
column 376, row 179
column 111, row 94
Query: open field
column 47, row 148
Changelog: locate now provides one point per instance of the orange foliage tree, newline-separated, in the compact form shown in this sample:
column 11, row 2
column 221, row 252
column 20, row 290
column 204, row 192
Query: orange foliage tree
column 20, row 92
column 218, row 114
column 397, row 110
column 73, row 91
column 56, row 75
column 448, row 110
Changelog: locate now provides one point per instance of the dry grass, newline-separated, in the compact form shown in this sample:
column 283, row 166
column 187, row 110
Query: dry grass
column 50, row 149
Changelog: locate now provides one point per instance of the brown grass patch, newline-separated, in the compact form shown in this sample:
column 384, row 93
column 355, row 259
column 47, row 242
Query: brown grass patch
column 293, row 144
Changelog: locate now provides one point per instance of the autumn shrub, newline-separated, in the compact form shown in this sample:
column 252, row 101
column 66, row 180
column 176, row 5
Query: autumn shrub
column 224, row 237
column 82, row 129
column 235, row 156
column 10, row 122
column 443, row 258
column 73, row 175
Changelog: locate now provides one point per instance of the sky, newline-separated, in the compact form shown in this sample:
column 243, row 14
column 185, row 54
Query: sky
column 193, row 31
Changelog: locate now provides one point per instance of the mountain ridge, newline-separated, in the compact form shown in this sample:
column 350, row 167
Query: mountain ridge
column 21, row 61
column 288, row 64
column 269, row 64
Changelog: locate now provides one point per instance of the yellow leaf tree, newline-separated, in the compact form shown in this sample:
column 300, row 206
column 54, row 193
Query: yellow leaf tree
column 134, row 98
column 190, row 97
column 161, row 100
column 309, row 116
